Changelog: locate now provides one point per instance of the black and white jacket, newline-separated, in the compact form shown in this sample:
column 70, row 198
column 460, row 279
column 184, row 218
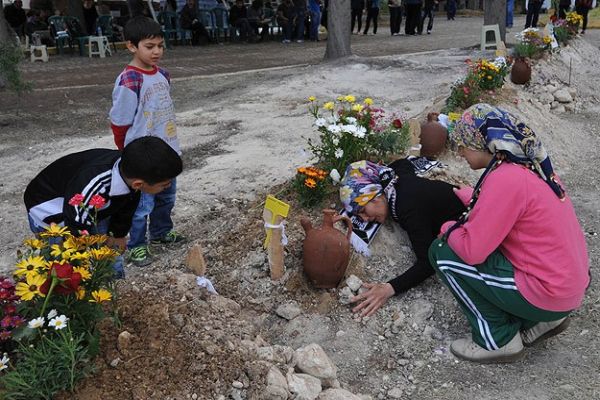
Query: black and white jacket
column 90, row 172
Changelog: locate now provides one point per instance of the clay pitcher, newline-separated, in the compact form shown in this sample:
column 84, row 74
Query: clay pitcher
column 520, row 72
column 326, row 250
column 433, row 139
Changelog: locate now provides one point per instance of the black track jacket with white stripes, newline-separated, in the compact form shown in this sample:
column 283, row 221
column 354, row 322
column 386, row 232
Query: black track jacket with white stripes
column 90, row 172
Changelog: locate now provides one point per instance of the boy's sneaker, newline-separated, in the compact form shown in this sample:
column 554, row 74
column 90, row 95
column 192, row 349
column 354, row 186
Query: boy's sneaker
column 170, row 237
column 544, row 330
column 140, row 256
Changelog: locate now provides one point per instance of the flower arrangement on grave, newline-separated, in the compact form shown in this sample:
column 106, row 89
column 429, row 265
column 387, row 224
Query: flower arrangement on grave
column 531, row 43
column 350, row 130
column 574, row 20
column 490, row 74
column 310, row 184
column 61, row 283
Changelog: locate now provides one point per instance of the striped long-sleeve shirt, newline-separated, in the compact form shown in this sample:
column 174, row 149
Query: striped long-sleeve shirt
column 89, row 173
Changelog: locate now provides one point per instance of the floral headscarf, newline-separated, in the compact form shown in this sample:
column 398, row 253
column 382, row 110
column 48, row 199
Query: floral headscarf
column 363, row 181
column 484, row 127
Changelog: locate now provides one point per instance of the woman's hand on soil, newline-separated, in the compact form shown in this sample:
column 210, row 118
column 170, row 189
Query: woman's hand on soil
column 371, row 300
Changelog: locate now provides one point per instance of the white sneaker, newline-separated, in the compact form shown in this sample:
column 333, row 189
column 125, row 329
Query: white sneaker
column 544, row 330
column 285, row 41
column 299, row 41
column 467, row 349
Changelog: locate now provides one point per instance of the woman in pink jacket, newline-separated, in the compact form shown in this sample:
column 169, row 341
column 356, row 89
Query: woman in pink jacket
column 516, row 261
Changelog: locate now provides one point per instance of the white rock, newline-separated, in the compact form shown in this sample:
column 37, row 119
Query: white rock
column 572, row 91
column 551, row 88
column 289, row 310
column 276, row 378
column 303, row 386
column 115, row 362
column 311, row 359
column 354, row 283
column 570, row 107
column 560, row 109
column 276, row 393
column 277, row 386
column 563, row 96
column 345, row 295
column 554, row 105
column 395, row 393
column 546, row 98
column 337, row 394
column 237, row 384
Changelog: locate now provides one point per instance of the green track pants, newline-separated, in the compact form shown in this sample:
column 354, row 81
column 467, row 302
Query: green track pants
column 488, row 296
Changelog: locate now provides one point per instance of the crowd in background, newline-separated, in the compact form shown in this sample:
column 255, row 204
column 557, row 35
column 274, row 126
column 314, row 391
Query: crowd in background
column 254, row 20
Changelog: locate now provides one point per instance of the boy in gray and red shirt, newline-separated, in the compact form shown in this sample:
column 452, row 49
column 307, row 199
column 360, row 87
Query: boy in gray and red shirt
column 142, row 106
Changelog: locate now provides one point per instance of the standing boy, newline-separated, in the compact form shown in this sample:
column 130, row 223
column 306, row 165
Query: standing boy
column 98, row 190
column 142, row 106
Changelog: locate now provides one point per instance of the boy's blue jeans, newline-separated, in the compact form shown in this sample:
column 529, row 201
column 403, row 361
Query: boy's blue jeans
column 101, row 229
column 156, row 207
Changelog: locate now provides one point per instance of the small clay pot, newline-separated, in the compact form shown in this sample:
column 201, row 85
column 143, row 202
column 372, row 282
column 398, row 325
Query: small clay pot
column 520, row 73
column 326, row 251
column 433, row 139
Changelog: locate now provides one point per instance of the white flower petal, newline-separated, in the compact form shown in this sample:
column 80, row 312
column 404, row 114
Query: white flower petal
column 36, row 323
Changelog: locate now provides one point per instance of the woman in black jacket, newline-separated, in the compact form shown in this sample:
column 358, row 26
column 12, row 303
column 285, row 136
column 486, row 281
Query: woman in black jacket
column 420, row 206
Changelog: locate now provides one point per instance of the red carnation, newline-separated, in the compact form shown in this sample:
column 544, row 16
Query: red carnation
column 397, row 123
column 97, row 201
column 76, row 200
column 68, row 280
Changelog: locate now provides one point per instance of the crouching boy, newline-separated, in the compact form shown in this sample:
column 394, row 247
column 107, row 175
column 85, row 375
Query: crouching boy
column 98, row 190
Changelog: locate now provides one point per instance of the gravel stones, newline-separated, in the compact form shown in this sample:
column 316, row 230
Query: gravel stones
column 289, row 310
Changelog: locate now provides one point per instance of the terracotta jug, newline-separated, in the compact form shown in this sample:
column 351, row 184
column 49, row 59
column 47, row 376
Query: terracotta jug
column 326, row 250
column 520, row 72
column 433, row 139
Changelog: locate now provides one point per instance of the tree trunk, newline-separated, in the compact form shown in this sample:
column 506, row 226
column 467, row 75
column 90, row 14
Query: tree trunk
column 494, row 12
column 338, row 30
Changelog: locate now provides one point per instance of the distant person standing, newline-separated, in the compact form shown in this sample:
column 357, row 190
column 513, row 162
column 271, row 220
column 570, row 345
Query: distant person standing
column 15, row 16
column 582, row 7
column 533, row 13
column 413, row 16
column 90, row 15
column 372, row 15
column 395, row 16
column 314, row 9
column 300, row 12
column 427, row 13
column 563, row 8
column 285, row 19
column 356, row 12
column 510, row 6
column 451, row 9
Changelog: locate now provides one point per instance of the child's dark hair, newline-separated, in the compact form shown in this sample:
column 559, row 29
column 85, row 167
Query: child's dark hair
column 150, row 159
column 140, row 28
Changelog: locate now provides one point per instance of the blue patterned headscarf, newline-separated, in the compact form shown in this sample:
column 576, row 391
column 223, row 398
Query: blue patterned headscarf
column 362, row 182
column 484, row 127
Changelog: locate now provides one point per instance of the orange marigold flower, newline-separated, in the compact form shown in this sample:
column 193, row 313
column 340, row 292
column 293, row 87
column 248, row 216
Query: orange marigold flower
column 310, row 183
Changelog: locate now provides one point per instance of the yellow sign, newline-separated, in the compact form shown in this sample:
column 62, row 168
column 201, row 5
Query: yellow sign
column 273, row 208
column 453, row 117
